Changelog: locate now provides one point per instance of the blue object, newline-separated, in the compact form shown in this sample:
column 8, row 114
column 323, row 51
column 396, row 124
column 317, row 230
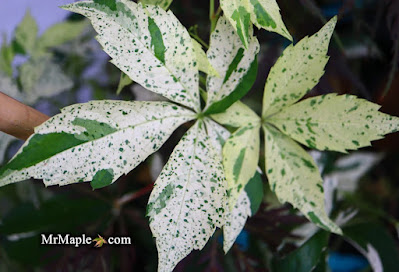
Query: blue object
column 339, row 262
column 242, row 240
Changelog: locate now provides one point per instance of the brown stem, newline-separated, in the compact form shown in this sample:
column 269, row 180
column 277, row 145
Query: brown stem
column 17, row 119
column 132, row 196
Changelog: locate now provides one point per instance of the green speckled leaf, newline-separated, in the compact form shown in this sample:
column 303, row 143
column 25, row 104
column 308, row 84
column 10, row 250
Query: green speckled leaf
column 189, row 198
column 266, row 14
column 86, row 138
column 234, row 64
column 162, row 3
column 240, row 159
column 235, row 220
column 237, row 115
column 337, row 123
column 202, row 61
column 297, row 71
column 293, row 176
column 26, row 32
column 149, row 45
column 240, row 19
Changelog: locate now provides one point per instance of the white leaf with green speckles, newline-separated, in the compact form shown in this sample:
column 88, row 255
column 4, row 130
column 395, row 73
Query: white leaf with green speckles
column 237, row 115
column 217, row 134
column 5, row 141
column 240, row 159
column 235, row 220
column 189, row 198
column 240, row 19
column 230, row 59
column 266, row 14
column 337, row 123
column 42, row 78
column 297, row 71
column 26, row 32
column 294, row 177
column 162, row 3
column 203, row 63
column 97, row 141
column 149, row 45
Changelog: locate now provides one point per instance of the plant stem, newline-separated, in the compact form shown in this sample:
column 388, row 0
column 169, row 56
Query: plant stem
column 132, row 196
column 213, row 16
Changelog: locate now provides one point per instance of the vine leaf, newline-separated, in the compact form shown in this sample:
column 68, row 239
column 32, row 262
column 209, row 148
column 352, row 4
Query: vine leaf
column 238, row 115
column 263, row 13
column 337, row 123
column 26, row 33
column 162, row 3
column 240, row 159
column 236, row 66
column 294, row 177
column 203, row 63
column 149, row 45
column 297, row 71
column 189, row 198
column 100, row 140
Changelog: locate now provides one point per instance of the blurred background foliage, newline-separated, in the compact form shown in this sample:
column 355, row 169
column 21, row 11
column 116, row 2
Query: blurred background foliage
column 65, row 65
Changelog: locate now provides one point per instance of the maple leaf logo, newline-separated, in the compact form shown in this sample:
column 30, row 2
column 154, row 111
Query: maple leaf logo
column 99, row 241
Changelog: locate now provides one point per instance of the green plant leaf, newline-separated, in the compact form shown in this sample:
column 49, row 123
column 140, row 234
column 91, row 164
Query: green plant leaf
column 6, row 57
column 337, row 123
column 162, row 3
column 238, row 115
column 236, row 66
column 149, row 45
column 123, row 82
column 95, row 136
column 42, row 78
column 59, row 34
column 297, row 71
column 203, row 62
column 266, row 14
column 293, row 176
column 240, row 159
column 189, row 198
column 239, row 18
column 376, row 244
column 254, row 190
column 5, row 141
column 26, row 33
column 305, row 258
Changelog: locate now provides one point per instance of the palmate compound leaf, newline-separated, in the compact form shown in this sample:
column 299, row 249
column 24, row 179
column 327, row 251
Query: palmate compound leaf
column 235, row 65
column 189, row 199
column 162, row 3
column 263, row 13
column 297, row 71
column 97, row 141
column 337, row 123
column 148, row 44
column 294, row 177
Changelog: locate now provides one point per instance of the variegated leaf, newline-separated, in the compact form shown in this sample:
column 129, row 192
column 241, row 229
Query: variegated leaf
column 42, row 78
column 189, row 198
column 235, row 220
column 236, row 66
column 239, row 17
column 148, row 44
column 337, row 123
column 123, row 82
column 217, row 134
column 162, row 3
column 97, row 141
column 294, row 177
column 238, row 115
column 266, row 14
column 297, row 71
column 240, row 159
column 203, row 62
column 26, row 33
